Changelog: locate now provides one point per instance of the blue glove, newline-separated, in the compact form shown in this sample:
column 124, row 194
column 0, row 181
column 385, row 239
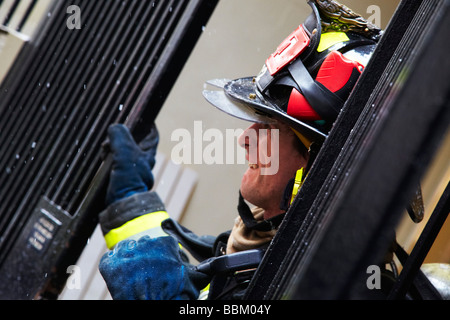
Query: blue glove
column 132, row 165
column 147, row 269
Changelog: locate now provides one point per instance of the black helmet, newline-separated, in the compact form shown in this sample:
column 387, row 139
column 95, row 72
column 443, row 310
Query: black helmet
column 307, row 80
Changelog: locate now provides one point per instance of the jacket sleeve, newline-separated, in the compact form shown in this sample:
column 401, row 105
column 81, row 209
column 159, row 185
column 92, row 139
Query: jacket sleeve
column 144, row 262
column 133, row 217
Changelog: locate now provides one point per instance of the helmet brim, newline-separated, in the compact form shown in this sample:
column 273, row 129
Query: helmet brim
column 241, row 99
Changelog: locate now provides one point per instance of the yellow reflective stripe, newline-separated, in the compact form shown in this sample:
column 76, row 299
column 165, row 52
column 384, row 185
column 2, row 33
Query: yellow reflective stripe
column 297, row 184
column 331, row 38
column 135, row 226
column 204, row 293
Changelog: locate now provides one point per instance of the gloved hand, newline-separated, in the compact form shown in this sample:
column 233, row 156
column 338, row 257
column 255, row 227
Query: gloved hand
column 132, row 165
column 150, row 269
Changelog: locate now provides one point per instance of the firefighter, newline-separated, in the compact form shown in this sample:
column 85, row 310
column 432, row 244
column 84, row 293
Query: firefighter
column 292, row 104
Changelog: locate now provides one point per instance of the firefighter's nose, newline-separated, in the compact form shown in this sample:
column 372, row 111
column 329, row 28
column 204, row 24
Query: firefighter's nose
column 247, row 137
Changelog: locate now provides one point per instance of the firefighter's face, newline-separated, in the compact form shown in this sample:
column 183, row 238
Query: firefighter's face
column 273, row 160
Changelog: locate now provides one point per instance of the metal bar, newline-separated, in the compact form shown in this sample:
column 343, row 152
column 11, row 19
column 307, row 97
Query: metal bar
column 153, row 60
column 422, row 247
column 51, row 114
column 11, row 11
column 26, row 15
column 16, row 77
column 11, row 109
column 362, row 211
column 30, row 184
column 78, row 67
column 167, row 68
column 21, row 129
column 66, row 139
column 16, row 121
column 115, row 94
column 165, row 26
column 28, row 118
column 96, row 79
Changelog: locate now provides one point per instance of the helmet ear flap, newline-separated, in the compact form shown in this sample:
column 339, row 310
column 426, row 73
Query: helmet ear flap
column 299, row 107
column 337, row 74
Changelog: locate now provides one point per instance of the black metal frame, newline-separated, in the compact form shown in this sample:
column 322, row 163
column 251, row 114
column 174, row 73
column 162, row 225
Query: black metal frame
column 344, row 218
column 48, row 210
column 411, row 276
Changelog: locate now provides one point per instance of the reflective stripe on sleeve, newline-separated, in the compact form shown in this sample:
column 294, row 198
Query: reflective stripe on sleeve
column 135, row 226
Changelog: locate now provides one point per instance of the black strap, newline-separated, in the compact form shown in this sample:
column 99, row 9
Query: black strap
column 200, row 247
column 421, row 287
column 324, row 102
column 286, row 201
column 312, row 23
column 247, row 217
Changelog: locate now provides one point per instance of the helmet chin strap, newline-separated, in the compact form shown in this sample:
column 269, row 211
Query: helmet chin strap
column 250, row 222
column 298, row 181
column 292, row 189
column 306, row 142
column 294, row 185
